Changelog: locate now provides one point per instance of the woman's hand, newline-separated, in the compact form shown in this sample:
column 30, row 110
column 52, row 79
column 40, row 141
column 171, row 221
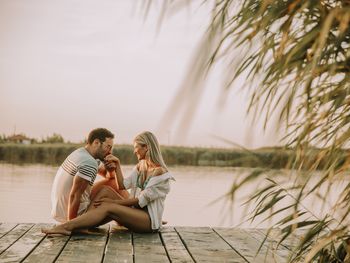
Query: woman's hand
column 111, row 158
column 111, row 163
column 110, row 167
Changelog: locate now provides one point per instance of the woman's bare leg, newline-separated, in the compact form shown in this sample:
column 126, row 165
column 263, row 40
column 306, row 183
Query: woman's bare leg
column 107, row 182
column 135, row 219
column 109, row 192
column 105, row 192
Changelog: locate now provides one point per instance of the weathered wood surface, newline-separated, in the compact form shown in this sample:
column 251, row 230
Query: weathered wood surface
column 119, row 247
column 109, row 243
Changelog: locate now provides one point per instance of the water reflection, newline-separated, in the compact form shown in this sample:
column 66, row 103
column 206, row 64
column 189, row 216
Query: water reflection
column 25, row 195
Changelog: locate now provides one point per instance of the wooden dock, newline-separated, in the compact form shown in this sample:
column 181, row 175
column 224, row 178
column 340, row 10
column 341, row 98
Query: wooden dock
column 26, row 243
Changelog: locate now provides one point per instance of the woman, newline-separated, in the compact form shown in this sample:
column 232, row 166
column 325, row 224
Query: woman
column 149, row 183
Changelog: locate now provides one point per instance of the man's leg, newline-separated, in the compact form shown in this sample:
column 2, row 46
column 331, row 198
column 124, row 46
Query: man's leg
column 135, row 219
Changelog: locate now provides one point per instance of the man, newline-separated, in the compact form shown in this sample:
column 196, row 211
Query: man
column 71, row 188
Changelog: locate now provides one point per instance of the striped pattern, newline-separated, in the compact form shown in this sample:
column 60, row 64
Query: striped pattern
column 88, row 170
column 85, row 169
column 70, row 167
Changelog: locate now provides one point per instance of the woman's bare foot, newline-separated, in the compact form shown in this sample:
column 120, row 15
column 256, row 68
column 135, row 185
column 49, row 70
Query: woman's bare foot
column 56, row 230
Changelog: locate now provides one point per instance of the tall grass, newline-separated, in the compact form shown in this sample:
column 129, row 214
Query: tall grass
column 273, row 158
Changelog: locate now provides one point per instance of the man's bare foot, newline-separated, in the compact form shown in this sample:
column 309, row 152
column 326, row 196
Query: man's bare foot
column 56, row 230
column 82, row 231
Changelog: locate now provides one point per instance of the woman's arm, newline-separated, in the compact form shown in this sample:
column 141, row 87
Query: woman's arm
column 149, row 194
column 102, row 170
column 104, row 173
column 113, row 165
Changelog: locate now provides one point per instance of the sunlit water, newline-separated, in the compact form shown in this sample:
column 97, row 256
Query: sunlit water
column 25, row 195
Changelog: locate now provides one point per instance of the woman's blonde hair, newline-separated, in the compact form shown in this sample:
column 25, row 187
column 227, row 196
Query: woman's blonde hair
column 154, row 153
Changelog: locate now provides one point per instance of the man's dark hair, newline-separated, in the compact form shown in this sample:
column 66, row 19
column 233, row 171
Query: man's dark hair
column 99, row 133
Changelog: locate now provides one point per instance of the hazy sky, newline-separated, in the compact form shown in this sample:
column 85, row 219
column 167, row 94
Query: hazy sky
column 70, row 66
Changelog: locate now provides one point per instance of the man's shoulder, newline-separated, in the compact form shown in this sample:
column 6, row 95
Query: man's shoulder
column 82, row 154
column 81, row 157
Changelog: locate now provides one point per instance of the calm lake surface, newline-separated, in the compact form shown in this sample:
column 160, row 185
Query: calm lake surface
column 25, row 195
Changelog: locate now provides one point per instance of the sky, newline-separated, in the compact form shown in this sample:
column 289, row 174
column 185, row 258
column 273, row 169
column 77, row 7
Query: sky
column 70, row 66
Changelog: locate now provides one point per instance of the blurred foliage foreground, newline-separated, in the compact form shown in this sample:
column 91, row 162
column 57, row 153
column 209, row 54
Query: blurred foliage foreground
column 295, row 59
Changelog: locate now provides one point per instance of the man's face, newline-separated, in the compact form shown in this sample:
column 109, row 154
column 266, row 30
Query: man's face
column 104, row 148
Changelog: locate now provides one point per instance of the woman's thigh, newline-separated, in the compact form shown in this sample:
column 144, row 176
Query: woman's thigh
column 110, row 183
column 105, row 192
column 135, row 219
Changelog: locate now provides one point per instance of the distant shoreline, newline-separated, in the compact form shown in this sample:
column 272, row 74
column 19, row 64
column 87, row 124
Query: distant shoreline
column 55, row 153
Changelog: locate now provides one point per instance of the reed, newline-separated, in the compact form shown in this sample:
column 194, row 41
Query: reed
column 294, row 59
column 272, row 158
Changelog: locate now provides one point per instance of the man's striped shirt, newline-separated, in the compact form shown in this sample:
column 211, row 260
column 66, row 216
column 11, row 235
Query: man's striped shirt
column 78, row 163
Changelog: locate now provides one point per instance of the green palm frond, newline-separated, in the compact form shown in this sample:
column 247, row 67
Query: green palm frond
column 295, row 57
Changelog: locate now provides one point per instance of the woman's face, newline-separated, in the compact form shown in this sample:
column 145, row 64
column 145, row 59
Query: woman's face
column 140, row 151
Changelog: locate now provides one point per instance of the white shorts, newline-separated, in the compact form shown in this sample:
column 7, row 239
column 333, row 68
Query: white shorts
column 82, row 209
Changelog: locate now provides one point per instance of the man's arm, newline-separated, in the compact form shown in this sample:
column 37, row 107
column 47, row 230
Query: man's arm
column 79, row 186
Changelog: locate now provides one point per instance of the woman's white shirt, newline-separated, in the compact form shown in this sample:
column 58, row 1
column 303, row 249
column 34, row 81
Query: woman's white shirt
column 153, row 196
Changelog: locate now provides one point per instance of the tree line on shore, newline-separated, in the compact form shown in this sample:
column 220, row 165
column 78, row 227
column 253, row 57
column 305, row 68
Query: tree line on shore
column 273, row 158
column 24, row 139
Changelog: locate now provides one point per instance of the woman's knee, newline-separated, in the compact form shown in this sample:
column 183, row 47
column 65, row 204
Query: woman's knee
column 105, row 191
column 113, row 210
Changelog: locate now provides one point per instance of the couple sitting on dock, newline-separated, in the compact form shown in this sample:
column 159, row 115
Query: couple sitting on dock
column 78, row 203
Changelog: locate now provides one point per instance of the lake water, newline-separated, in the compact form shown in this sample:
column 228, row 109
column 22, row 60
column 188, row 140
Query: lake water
column 25, row 195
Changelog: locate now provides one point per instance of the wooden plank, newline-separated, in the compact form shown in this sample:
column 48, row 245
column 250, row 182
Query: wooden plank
column 205, row 245
column 85, row 247
column 48, row 249
column 12, row 236
column 119, row 246
column 6, row 227
column 286, row 248
column 149, row 248
column 24, row 245
column 248, row 246
column 275, row 234
column 176, row 250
